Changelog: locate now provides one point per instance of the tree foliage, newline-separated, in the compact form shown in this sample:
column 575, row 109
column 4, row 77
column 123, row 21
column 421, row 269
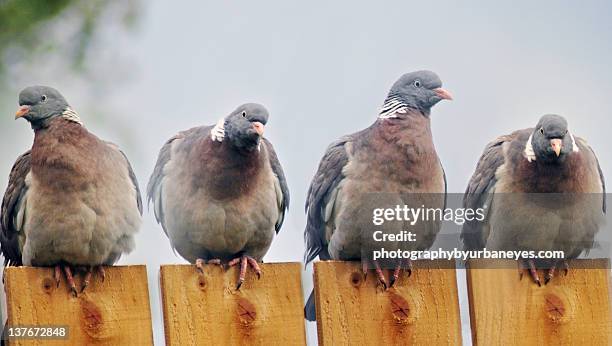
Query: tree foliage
column 66, row 28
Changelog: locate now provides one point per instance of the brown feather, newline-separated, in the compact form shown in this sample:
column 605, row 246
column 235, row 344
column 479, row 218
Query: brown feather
column 224, row 171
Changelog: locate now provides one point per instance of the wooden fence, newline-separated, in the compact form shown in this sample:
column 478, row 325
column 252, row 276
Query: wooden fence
column 113, row 312
column 569, row 310
column 422, row 309
column 210, row 311
column 419, row 310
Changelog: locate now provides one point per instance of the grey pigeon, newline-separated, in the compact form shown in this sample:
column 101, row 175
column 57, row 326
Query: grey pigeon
column 542, row 189
column 73, row 199
column 395, row 155
column 219, row 191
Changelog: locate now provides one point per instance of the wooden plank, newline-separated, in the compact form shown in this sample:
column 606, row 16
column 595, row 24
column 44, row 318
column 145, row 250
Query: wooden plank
column 422, row 309
column 111, row 312
column 267, row 311
column 570, row 310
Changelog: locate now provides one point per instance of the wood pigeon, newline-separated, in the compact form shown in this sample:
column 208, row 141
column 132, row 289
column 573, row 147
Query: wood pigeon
column 72, row 200
column 394, row 156
column 541, row 189
column 219, row 191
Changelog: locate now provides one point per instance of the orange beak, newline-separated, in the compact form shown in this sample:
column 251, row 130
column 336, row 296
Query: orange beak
column 259, row 127
column 23, row 110
column 556, row 143
column 443, row 94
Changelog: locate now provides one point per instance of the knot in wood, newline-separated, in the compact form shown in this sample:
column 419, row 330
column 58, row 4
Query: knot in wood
column 47, row 285
column 201, row 282
column 91, row 317
column 555, row 308
column 356, row 279
column 246, row 311
column 400, row 308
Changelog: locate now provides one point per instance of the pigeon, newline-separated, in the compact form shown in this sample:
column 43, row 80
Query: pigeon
column 395, row 155
column 72, row 200
column 542, row 189
column 219, row 192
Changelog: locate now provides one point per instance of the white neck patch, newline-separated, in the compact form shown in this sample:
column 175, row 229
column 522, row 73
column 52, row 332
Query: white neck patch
column 391, row 108
column 529, row 153
column 394, row 114
column 218, row 132
column 71, row 115
column 574, row 146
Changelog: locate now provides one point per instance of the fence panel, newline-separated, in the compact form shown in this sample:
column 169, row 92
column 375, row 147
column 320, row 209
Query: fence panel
column 210, row 311
column 422, row 309
column 569, row 310
column 111, row 312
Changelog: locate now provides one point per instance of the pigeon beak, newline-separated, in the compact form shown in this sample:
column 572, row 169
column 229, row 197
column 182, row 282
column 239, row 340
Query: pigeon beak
column 443, row 94
column 23, row 110
column 556, row 143
column 259, row 127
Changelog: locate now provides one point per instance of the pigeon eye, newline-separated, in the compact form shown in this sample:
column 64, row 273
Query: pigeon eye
column 541, row 130
column 43, row 98
column 417, row 83
column 243, row 114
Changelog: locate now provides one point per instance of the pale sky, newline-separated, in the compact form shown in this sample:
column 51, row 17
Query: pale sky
column 322, row 69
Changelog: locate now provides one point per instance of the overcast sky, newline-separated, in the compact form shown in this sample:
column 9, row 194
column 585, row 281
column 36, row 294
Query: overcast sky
column 322, row 69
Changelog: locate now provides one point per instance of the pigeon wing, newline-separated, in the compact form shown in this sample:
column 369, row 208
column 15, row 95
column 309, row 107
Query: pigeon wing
column 13, row 211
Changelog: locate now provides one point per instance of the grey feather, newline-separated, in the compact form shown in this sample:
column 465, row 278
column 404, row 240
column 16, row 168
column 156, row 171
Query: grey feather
column 282, row 198
column 326, row 179
column 155, row 185
column 13, row 210
column 479, row 190
column 601, row 177
column 132, row 175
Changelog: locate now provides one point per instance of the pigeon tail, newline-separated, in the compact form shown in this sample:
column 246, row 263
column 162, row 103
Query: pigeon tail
column 309, row 310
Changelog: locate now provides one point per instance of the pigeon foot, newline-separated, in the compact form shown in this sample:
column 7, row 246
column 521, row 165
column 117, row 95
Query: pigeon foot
column 70, row 280
column 70, row 274
column 245, row 261
column 380, row 275
column 529, row 265
column 214, row 261
column 565, row 264
column 57, row 275
column 199, row 264
column 550, row 273
column 89, row 271
column 364, row 269
column 401, row 264
column 87, row 278
column 377, row 269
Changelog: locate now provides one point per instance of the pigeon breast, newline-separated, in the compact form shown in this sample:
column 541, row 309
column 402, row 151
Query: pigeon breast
column 218, row 202
column 82, row 206
column 534, row 205
column 393, row 163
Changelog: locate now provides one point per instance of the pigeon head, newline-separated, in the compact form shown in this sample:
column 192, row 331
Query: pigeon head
column 39, row 104
column 551, row 140
column 244, row 127
column 418, row 90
